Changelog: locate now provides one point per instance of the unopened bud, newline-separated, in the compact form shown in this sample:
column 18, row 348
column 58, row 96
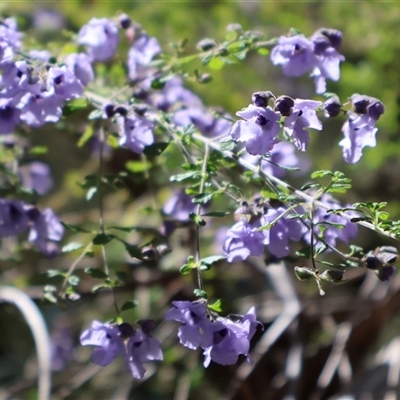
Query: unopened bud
column 204, row 78
column 147, row 325
column 125, row 330
column 360, row 103
column 321, row 43
column 334, row 36
column 284, row 105
column 260, row 99
column 332, row 107
column 121, row 110
column 385, row 273
column 206, row 44
column 223, row 51
column 125, row 21
column 234, row 27
column 109, row 110
column 376, row 109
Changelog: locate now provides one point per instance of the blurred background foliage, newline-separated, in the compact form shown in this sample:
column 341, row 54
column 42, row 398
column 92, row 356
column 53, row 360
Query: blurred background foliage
column 371, row 47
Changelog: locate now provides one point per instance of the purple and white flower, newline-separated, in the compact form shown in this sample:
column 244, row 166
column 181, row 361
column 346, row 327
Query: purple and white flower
column 136, row 133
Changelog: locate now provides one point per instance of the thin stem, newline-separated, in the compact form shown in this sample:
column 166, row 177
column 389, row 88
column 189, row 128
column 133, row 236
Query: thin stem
column 198, row 211
column 101, row 212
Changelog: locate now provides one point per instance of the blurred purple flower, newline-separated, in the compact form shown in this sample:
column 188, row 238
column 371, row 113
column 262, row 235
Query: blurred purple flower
column 243, row 240
column 142, row 51
column 64, row 83
column 179, row 206
column 9, row 116
column 46, row 229
column 41, row 55
column 101, row 36
column 141, row 348
column 303, row 116
column 36, row 176
column 9, row 33
column 62, row 347
column 48, row 21
column 284, row 229
column 295, row 54
column 136, row 133
column 107, row 340
column 81, row 66
column 13, row 218
column 196, row 329
column 203, row 120
column 259, row 130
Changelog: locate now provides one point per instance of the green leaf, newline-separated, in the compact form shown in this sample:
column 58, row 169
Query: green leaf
column 321, row 174
column 155, row 149
column 217, row 306
column 200, row 293
column 185, row 176
column 74, row 228
column 38, row 150
column 102, row 239
column 90, row 193
column 122, row 276
column 51, row 273
column 216, row 63
column 73, row 106
column 87, row 135
column 95, row 114
column 138, row 166
column 227, row 145
column 304, row 252
column 185, row 269
column 215, row 214
column 203, row 198
column 73, row 280
column 197, row 219
column 129, row 305
column 96, row 273
column 71, row 247
column 133, row 250
column 262, row 51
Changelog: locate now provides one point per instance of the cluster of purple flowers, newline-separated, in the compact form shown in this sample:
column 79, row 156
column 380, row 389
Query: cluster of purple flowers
column 222, row 339
column 245, row 239
column 319, row 53
column 262, row 124
column 45, row 228
column 135, row 346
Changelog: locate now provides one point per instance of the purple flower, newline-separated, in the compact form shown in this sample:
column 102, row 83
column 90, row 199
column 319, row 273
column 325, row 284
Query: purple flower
column 284, row 229
column 64, row 83
column 9, row 33
column 203, row 120
column 141, row 53
column 243, row 240
column 326, row 43
column 6, row 53
column 36, row 176
column 197, row 328
column 333, row 233
column 45, row 230
column 230, row 339
column 295, row 54
column 13, row 218
column 179, row 206
column 62, row 348
column 303, row 116
column 141, row 348
column 107, row 340
column 259, row 130
column 359, row 132
column 41, row 55
column 101, row 36
column 386, row 273
column 81, row 66
column 136, row 133
column 9, row 116
column 38, row 109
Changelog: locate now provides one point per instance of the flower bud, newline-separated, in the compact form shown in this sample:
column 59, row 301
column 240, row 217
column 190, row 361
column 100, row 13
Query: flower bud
column 260, row 99
column 121, row 110
column 223, row 51
column 376, row 109
column 385, row 273
column 109, row 110
column 125, row 21
column 334, row 36
column 234, row 27
column 125, row 330
column 206, row 44
column 360, row 103
column 332, row 107
column 321, row 43
column 204, row 78
column 284, row 105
